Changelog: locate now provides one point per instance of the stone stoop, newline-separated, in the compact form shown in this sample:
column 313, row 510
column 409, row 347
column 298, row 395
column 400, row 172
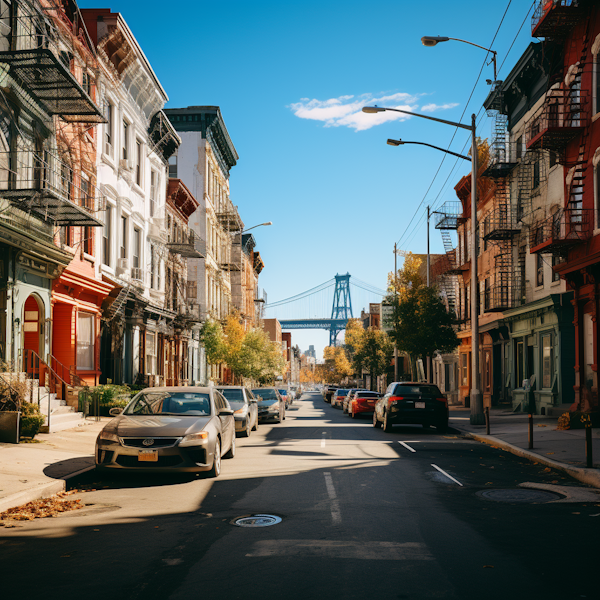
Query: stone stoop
column 63, row 418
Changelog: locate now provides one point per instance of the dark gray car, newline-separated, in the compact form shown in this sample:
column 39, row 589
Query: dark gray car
column 169, row 429
column 245, row 410
column 271, row 406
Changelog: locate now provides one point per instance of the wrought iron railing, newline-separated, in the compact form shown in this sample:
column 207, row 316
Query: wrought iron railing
column 566, row 227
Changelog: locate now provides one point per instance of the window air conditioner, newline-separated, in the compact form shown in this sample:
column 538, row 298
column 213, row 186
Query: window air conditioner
column 122, row 266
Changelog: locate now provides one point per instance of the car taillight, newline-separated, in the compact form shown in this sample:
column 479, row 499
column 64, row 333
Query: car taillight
column 444, row 400
column 394, row 398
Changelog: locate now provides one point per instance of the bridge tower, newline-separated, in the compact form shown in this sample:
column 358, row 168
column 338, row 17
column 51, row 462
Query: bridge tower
column 342, row 305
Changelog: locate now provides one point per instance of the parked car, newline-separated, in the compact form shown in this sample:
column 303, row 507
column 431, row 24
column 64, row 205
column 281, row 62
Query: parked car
column 287, row 397
column 244, row 405
column 363, row 402
column 338, row 396
column 348, row 398
column 169, row 429
column 328, row 392
column 271, row 406
column 412, row 403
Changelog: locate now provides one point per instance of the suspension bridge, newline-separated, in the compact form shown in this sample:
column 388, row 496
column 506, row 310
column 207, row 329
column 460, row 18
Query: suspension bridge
column 327, row 306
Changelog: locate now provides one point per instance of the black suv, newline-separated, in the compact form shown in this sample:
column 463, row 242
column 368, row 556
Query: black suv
column 329, row 391
column 412, row 403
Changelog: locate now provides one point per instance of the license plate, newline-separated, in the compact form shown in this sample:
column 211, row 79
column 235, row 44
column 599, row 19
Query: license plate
column 148, row 456
column 419, row 404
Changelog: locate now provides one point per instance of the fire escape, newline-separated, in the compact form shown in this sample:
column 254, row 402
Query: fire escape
column 447, row 270
column 501, row 223
column 563, row 118
column 32, row 175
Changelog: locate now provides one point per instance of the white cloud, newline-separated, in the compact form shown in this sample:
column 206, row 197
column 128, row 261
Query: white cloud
column 346, row 111
column 433, row 107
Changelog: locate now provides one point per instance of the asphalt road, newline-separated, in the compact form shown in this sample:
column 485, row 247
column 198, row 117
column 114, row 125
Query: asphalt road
column 363, row 516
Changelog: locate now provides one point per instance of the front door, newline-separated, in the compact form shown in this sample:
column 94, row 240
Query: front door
column 33, row 334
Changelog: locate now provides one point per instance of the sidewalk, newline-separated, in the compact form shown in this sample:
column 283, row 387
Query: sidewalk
column 29, row 471
column 559, row 449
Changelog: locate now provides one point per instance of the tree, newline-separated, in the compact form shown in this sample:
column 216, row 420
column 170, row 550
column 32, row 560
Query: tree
column 354, row 339
column 336, row 365
column 260, row 358
column 421, row 325
column 213, row 339
column 234, row 339
column 375, row 352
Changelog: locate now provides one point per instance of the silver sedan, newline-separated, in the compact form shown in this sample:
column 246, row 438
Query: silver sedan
column 169, row 429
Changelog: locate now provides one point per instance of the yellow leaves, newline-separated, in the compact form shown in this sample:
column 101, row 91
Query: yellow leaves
column 40, row 509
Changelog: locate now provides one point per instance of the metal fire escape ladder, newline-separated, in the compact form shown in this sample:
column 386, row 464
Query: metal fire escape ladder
column 118, row 305
column 449, row 282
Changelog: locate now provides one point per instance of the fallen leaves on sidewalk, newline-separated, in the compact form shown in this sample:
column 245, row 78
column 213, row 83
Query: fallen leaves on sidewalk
column 39, row 509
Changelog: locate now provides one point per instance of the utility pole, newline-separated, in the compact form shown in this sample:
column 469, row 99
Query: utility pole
column 396, row 297
column 429, row 378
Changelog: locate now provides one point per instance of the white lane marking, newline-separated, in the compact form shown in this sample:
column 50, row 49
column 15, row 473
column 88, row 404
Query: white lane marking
column 461, row 418
column 446, row 474
column 336, row 515
column 407, row 446
column 342, row 549
column 323, row 441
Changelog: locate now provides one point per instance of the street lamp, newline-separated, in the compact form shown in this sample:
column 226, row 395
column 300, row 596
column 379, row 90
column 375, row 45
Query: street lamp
column 434, row 40
column 477, row 416
column 259, row 225
column 402, row 142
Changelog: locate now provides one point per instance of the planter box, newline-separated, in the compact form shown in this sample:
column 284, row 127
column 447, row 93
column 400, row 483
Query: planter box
column 9, row 426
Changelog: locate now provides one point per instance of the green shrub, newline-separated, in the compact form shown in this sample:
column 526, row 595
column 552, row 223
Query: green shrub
column 31, row 420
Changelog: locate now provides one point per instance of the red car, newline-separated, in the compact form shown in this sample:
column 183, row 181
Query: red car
column 363, row 403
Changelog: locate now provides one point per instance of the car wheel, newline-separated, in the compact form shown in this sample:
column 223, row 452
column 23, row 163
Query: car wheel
column 255, row 425
column 442, row 428
column 376, row 422
column 231, row 452
column 246, row 431
column 387, row 426
column 216, row 467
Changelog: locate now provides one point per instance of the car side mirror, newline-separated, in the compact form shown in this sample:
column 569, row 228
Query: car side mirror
column 115, row 411
column 224, row 412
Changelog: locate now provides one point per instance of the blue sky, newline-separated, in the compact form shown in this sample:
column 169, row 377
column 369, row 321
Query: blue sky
column 290, row 78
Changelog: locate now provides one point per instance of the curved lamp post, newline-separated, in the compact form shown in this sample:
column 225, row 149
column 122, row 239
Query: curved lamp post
column 477, row 416
column 259, row 225
column 434, row 40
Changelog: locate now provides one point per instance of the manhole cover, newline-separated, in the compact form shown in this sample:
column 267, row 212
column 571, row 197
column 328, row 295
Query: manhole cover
column 257, row 521
column 520, row 495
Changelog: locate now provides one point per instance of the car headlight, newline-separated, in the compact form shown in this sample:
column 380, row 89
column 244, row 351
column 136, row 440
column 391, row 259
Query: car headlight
column 192, row 439
column 106, row 436
column 239, row 411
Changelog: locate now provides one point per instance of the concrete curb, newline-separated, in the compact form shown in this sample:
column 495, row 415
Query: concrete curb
column 44, row 490
column 587, row 476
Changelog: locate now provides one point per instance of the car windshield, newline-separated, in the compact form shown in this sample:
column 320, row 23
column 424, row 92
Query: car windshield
column 342, row 392
column 265, row 394
column 283, row 392
column 428, row 390
column 368, row 395
column 169, row 403
column 234, row 397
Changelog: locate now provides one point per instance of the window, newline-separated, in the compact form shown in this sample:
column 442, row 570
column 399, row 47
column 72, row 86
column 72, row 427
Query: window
column 108, row 127
column 138, row 162
column 520, row 147
column 125, row 139
column 539, row 278
column 536, row 174
column 520, row 363
column 136, row 271
column 124, row 227
column 173, row 167
column 555, row 275
column 596, row 83
column 486, row 294
column 150, row 353
column 85, row 194
column 106, row 236
column 487, row 371
column 88, row 240
column 464, row 368
column 153, row 181
column 547, row 361
column 86, row 83
column 85, row 341
column 152, row 266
